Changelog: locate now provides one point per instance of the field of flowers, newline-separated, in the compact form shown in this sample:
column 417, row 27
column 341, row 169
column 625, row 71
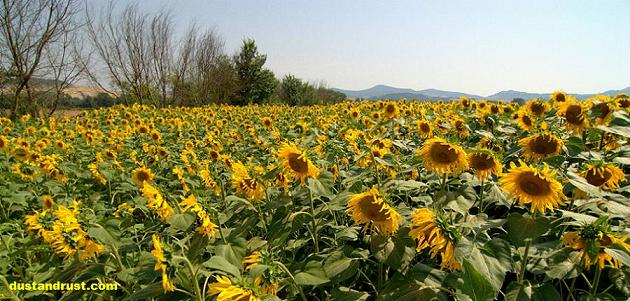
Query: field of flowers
column 462, row 200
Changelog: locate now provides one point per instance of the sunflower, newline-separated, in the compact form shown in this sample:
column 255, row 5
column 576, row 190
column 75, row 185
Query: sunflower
column 47, row 202
column 530, row 185
column 425, row 129
column 432, row 233
column 603, row 175
column 141, row 175
column 245, row 184
column 161, row 264
column 574, row 115
column 225, row 290
column 484, row 163
column 267, row 122
column 443, row 157
column 296, row 162
column 370, row 210
column 558, row 97
column 541, row 146
column 252, row 260
column 536, row 107
column 602, row 112
column 592, row 241
column 524, row 121
column 391, row 110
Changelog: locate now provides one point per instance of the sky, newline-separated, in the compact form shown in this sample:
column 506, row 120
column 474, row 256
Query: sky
column 479, row 47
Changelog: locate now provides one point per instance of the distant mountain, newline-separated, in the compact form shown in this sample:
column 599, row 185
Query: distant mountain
column 389, row 92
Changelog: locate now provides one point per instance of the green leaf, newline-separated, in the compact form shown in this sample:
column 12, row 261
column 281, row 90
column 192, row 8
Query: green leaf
column 233, row 251
column 396, row 251
column 150, row 291
column 620, row 255
column 104, row 236
column 581, row 183
column 304, row 278
column 338, row 267
column 520, row 228
column 347, row 294
column 475, row 284
column 221, row 264
column 181, row 222
column 319, row 189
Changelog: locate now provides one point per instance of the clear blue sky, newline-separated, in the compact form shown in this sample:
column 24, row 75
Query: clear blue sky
column 478, row 47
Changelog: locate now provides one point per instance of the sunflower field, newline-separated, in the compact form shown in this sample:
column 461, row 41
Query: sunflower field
column 385, row 200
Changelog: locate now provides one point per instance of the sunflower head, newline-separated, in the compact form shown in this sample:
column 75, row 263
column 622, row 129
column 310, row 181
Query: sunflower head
column 530, row 185
column 433, row 233
column 602, row 112
column 574, row 115
column 541, row 146
column 484, row 163
column 592, row 240
column 424, row 128
column 537, row 107
column 558, row 97
column 371, row 211
column 525, row 121
column 440, row 156
column 296, row 162
column 141, row 175
column 604, row 175
column 391, row 110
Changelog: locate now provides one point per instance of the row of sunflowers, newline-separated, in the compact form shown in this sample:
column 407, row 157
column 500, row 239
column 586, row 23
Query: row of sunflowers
column 386, row 200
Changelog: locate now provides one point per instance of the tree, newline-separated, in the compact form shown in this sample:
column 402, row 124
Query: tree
column 256, row 83
column 27, row 28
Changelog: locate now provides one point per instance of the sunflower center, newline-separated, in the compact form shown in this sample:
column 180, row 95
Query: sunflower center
column 526, row 120
column 425, row 128
column 443, row 153
column 538, row 108
column 482, row 162
column 560, row 98
column 372, row 210
column 250, row 184
column 597, row 178
column 143, row 176
column 543, row 146
column 297, row 163
column 532, row 184
column 603, row 110
column 574, row 114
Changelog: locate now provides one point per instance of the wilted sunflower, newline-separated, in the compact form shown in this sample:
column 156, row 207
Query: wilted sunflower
column 245, row 184
column 371, row 211
column 484, row 163
column 161, row 264
column 295, row 161
column 603, row 175
column 541, row 146
column 574, row 115
column 592, row 240
column 227, row 291
column 530, row 185
column 141, row 175
column 433, row 233
column 443, row 157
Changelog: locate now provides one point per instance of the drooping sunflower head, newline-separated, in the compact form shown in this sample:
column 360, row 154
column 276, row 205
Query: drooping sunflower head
column 530, row 185
column 296, row 162
column 541, row 146
column 433, row 233
column 141, row 175
column 370, row 210
column 47, row 202
column 225, row 290
column 592, row 241
column 442, row 157
column 622, row 101
column 574, row 114
column 603, row 175
column 484, row 163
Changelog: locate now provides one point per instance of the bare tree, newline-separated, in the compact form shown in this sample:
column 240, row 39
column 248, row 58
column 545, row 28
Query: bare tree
column 27, row 28
column 161, row 32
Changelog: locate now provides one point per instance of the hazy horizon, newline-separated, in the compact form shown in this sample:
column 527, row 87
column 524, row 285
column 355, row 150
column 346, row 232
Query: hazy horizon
column 472, row 47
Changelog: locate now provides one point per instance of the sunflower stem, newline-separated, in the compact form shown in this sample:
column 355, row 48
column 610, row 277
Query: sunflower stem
column 481, row 196
column 601, row 141
column 598, row 273
column 521, row 275
column 313, row 221
column 299, row 288
column 443, row 186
